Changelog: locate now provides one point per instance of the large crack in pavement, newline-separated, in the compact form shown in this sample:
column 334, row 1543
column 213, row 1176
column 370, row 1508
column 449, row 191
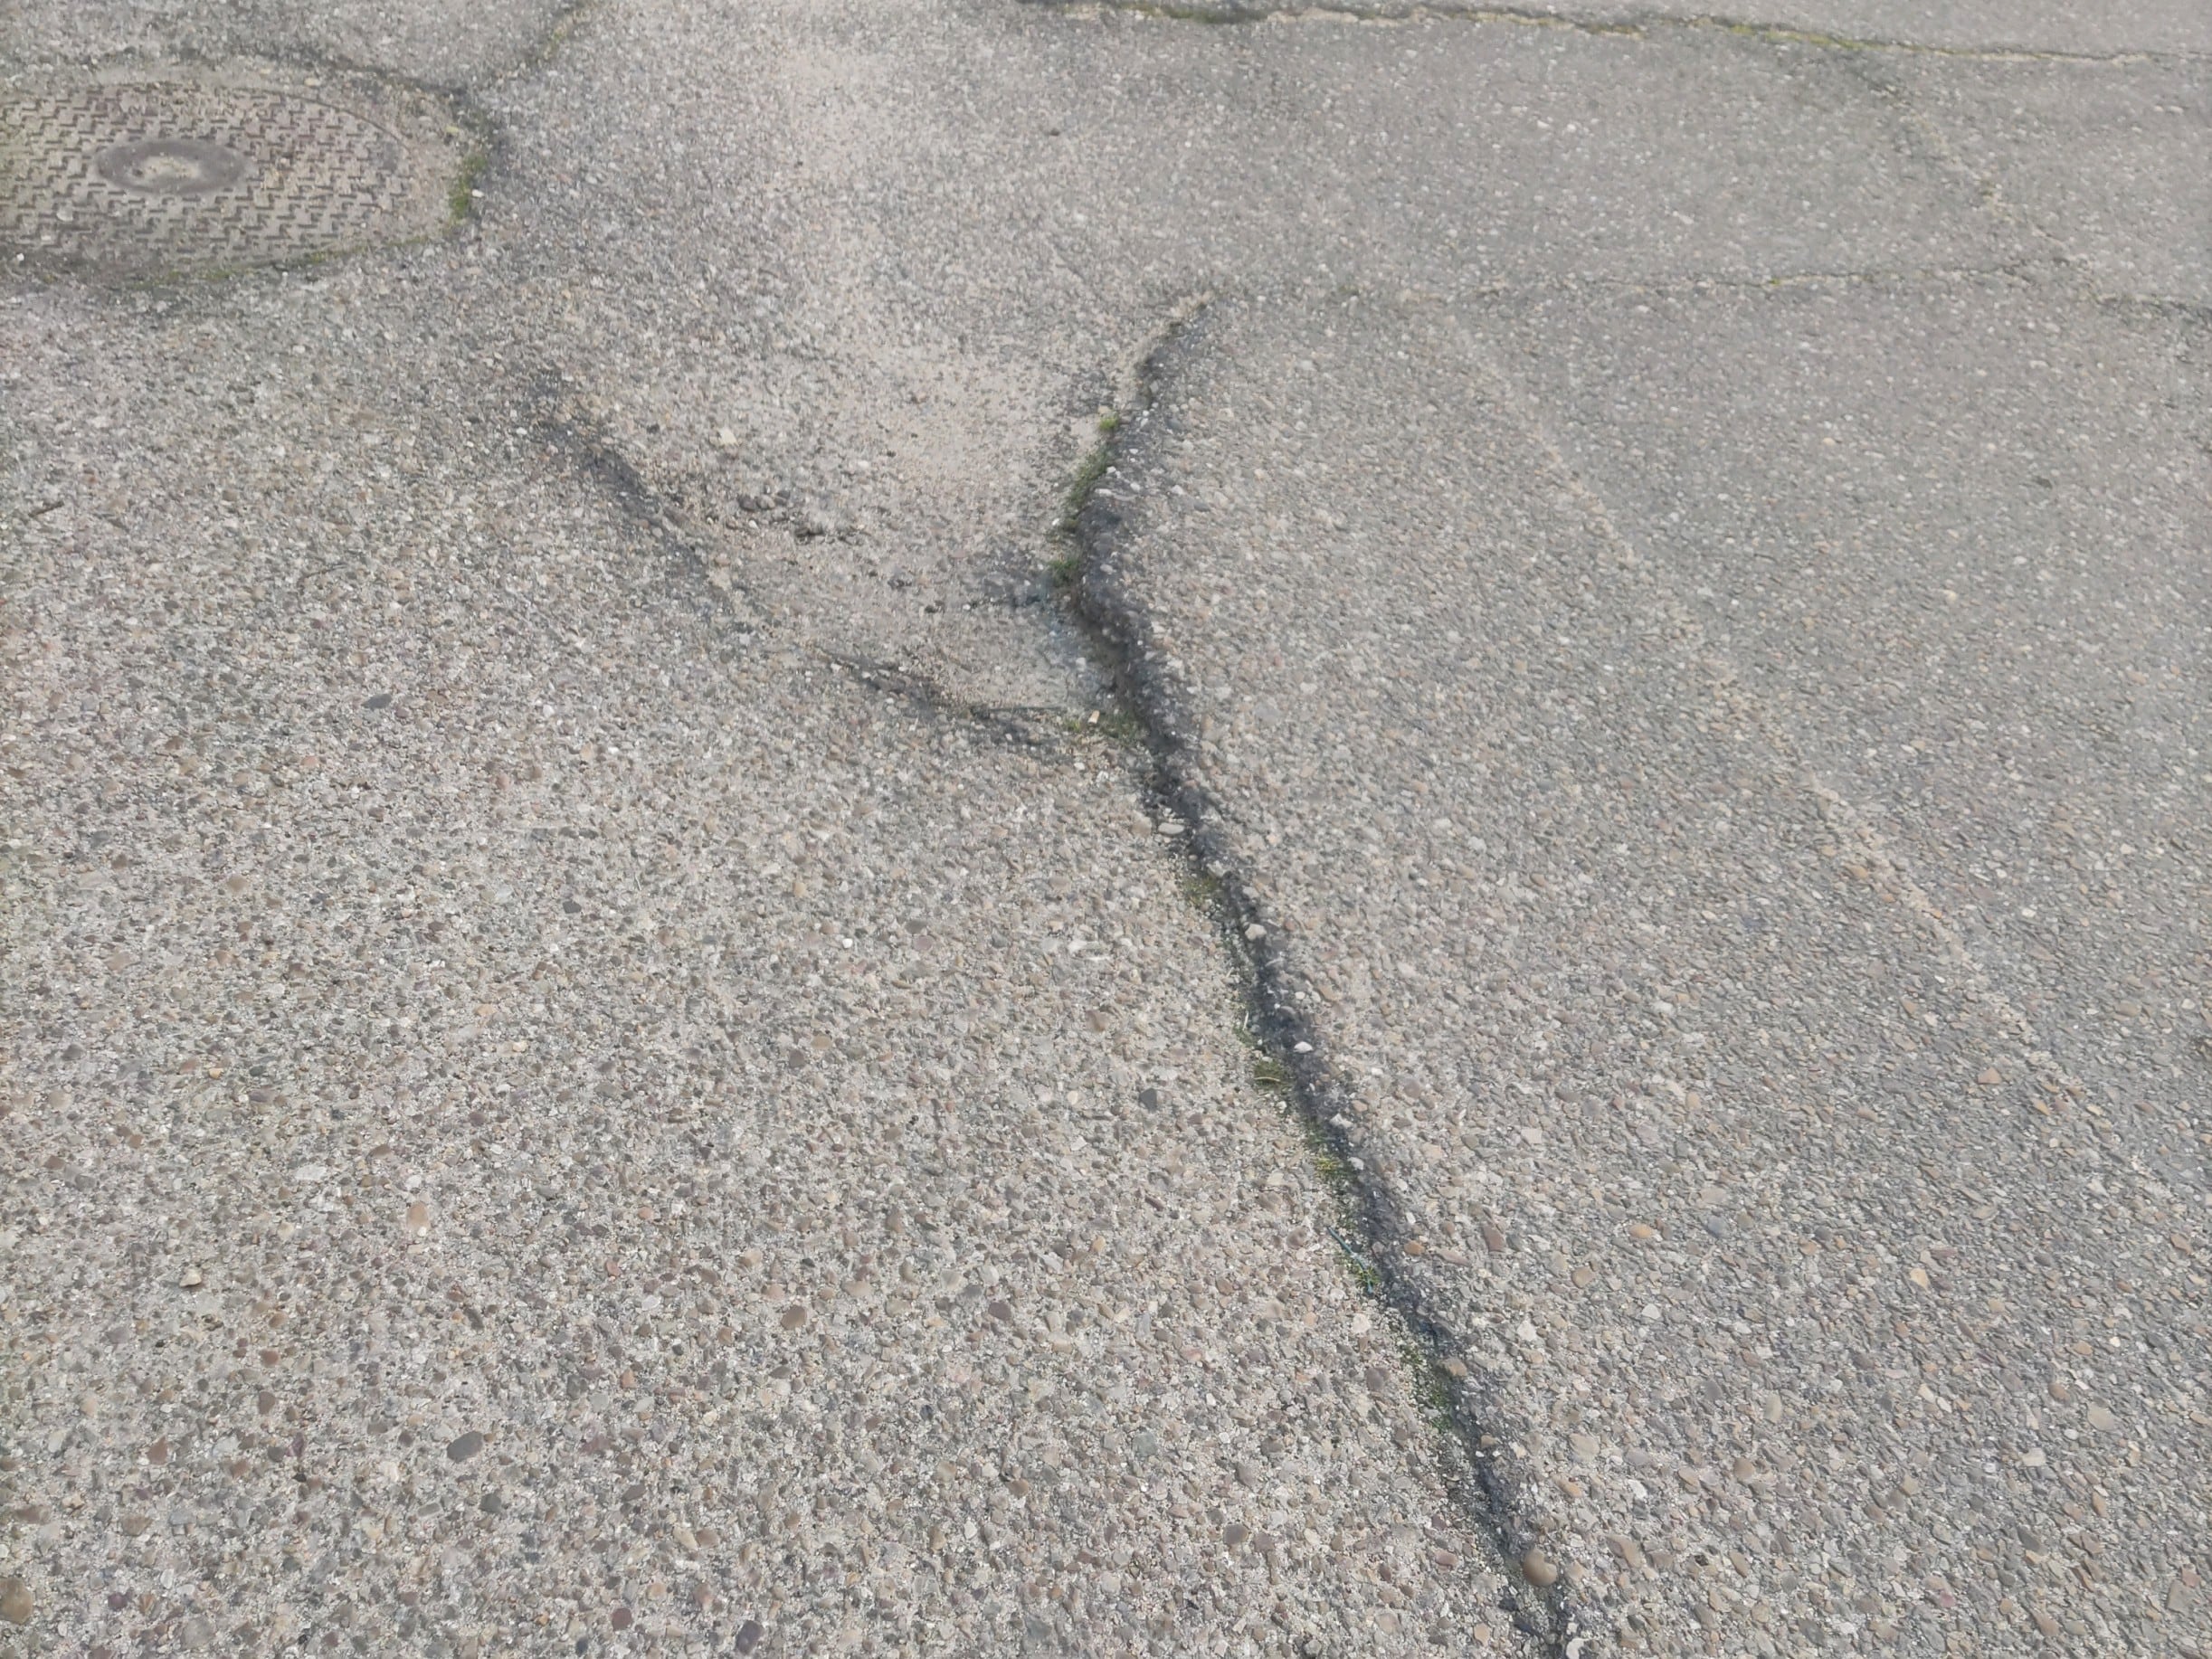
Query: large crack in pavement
column 1473, row 647
column 605, row 1044
column 1475, row 1428
column 765, row 1193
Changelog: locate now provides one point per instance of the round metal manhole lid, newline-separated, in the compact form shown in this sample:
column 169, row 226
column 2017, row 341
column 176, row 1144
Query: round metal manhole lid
column 150, row 176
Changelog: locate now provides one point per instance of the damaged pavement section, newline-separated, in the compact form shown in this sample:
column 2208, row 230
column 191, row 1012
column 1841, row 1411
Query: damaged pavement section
column 1752, row 1199
column 542, row 1110
column 538, row 1114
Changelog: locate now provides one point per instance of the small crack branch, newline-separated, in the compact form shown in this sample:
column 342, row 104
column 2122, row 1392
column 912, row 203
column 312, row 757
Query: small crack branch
column 1026, row 726
column 553, row 413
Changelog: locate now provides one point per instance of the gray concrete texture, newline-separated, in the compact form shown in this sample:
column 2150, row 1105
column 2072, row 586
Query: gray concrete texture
column 1832, row 1228
column 539, row 1107
column 648, row 986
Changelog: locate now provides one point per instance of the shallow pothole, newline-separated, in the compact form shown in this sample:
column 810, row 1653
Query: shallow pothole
column 149, row 173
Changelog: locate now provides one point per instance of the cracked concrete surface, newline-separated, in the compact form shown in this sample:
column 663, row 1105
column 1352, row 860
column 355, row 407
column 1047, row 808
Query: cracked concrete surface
column 549, row 1113
column 1735, row 1148
column 2135, row 33
column 610, row 1046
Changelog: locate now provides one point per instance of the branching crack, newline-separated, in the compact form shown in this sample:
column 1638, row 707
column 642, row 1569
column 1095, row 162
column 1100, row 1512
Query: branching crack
column 1025, row 725
column 562, row 423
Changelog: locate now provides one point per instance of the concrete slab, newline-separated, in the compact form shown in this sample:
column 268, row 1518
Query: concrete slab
column 1788, row 1262
column 542, row 1116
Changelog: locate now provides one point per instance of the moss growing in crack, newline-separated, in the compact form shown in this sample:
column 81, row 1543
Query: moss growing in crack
column 1203, row 894
column 1335, row 1174
column 548, row 44
column 1109, row 421
column 1086, row 479
column 1353, row 1205
column 1063, row 571
column 1124, row 731
column 1361, row 1270
column 1431, row 1384
column 1119, row 726
column 462, row 202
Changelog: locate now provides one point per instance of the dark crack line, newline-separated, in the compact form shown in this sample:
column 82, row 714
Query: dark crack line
column 1630, row 24
column 1032, row 728
column 1482, row 1477
column 680, row 536
column 553, row 415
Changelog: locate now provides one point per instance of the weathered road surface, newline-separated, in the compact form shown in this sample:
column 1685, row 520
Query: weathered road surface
column 991, row 827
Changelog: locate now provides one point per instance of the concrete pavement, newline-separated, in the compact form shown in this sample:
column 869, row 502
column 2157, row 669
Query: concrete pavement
column 1027, row 828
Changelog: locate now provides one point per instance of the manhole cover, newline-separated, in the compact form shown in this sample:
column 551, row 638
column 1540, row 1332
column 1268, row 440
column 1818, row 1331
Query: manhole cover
column 151, row 176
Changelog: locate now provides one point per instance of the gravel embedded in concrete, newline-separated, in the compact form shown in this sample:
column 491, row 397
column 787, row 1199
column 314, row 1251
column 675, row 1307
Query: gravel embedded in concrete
column 1838, row 1284
column 603, row 1046
column 538, row 1111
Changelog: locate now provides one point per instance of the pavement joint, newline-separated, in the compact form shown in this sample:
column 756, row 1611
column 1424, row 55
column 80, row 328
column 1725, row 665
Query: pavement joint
column 2056, row 269
column 1888, row 867
column 2018, row 271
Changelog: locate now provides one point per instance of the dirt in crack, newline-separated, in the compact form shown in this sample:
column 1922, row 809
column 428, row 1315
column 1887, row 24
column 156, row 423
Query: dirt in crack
column 1291, row 1059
